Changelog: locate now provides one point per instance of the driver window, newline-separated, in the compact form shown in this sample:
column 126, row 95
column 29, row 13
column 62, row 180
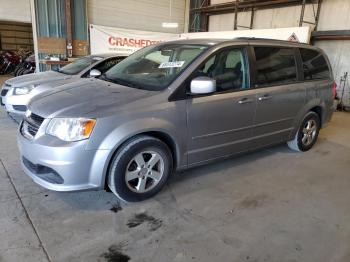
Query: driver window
column 228, row 68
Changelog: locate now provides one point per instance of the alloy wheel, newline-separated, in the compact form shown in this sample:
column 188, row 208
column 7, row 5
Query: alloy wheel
column 309, row 132
column 144, row 171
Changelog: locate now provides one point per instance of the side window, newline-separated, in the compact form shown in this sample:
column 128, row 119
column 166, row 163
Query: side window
column 107, row 64
column 228, row 68
column 275, row 66
column 314, row 65
column 208, row 65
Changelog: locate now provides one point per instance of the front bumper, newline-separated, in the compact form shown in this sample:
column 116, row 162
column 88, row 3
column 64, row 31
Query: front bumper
column 16, row 104
column 62, row 166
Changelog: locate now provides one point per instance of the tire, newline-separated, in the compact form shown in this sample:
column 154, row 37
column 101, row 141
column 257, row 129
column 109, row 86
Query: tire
column 20, row 72
column 140, row 168
column 307, row 133
column 16, row 71
column 26, row 72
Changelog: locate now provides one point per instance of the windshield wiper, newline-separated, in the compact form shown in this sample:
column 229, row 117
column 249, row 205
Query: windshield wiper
column 104, row 77
column 122, row 82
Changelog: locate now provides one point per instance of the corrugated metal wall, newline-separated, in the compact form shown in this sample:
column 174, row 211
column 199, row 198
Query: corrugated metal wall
column 135, row 14
column 16, row 36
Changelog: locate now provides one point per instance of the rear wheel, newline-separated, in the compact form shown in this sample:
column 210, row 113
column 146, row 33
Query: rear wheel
column 307, row 133
column 27, row 71
column 140, row 168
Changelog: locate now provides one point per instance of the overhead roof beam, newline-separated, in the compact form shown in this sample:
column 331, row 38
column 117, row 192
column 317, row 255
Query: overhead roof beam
column 230, row 7
column 331, row 35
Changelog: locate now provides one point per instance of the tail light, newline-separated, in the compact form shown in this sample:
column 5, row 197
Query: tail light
column 334, row 89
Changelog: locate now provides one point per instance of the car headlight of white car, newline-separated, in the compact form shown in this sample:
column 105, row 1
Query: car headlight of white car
column 23, row 90
column 71, row 129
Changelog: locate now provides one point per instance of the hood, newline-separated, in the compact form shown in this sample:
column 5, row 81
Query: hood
column 86, row 98
column 36, row 78
column 55, row 84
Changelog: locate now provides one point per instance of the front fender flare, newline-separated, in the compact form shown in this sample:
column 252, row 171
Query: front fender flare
column 130, row 129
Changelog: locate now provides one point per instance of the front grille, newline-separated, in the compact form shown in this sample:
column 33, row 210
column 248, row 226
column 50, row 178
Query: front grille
column 30, row 125
column 36, row 118
column 4, row 92
column 21, row 108
column 43, row 172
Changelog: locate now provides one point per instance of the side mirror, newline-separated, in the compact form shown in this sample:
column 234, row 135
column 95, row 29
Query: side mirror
column 203, row 85
column 95, row 73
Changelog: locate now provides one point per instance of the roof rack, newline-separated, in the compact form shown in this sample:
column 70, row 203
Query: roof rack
column 267, row 39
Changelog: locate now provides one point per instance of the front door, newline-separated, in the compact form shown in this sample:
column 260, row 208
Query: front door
column 220, row 124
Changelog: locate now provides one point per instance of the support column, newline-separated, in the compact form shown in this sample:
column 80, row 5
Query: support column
column 301, row 20
column 35, row 35
column 236, row 15
column 69, row 26
column 252, row 18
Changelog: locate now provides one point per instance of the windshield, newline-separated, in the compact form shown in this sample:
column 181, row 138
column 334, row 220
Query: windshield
column 154, row 67
column 79, row 65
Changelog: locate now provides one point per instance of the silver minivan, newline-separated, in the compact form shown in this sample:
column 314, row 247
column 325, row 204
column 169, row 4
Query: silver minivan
column 173, row 106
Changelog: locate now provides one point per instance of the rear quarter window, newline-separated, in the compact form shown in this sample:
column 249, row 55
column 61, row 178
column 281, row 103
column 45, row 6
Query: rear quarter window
column 315, row 65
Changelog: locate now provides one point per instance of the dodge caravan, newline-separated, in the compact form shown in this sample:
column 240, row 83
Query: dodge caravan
column 173, row 106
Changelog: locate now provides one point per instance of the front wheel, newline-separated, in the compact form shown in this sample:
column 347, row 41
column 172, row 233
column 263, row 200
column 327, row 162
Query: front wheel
column 307, row 133
column 140, row 168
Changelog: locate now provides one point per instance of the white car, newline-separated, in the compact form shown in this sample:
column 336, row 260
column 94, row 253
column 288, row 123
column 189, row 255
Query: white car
column 18, row 91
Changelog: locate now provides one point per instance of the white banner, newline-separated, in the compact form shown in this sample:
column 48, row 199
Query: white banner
column 124, row 41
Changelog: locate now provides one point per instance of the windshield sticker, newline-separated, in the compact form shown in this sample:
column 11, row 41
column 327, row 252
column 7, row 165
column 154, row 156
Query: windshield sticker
column 97, row 58
column 172, row 64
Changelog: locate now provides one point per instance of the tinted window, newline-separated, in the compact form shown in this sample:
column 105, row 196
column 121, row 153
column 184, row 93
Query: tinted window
column 275, row 66
column 314, row 65
column 228, row 68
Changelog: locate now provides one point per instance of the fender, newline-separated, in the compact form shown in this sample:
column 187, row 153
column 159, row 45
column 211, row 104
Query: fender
column 316, row 102
column 140, row 126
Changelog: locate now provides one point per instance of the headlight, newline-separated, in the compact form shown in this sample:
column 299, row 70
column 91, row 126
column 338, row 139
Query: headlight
column 23, row 90
column 71, row 129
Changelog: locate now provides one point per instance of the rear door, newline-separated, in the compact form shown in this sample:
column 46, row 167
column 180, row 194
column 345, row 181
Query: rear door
column 221, row 124
column 279, row 94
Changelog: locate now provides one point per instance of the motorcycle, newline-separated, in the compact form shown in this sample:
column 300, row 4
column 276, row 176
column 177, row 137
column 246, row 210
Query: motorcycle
column 26, row 65
column 10, row 60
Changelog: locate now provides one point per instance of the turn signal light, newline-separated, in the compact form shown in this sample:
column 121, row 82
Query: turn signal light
column 88, row 126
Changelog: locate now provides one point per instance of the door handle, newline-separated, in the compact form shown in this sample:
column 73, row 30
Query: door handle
column 265, row 97
column 245, row 101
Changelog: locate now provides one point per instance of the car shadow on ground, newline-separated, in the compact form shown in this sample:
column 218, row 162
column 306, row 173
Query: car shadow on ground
column 103, row 200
